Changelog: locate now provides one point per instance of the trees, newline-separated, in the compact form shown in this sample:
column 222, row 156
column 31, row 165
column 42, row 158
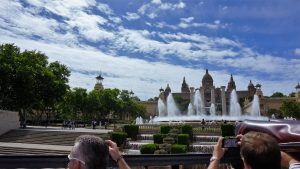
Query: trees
column 28, row 81
column 98, row 104
column 277, row 94
column 290, row 108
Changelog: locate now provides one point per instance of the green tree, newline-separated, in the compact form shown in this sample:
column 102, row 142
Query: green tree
column 293, row 94
column 290, row 108
column 28, row 81
column 277, row 94
column 74, row 104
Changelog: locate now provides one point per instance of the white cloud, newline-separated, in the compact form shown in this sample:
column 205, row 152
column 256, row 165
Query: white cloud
column 187, row 20
column 156, row 1
column 16, row 26
column 152, row 9
column 152, row 15
column 297, row 51
column 105, row 9
column 131, row 16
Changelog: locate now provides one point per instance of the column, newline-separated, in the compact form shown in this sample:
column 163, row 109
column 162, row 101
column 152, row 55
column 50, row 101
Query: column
column 212, row 93
column 223, row 96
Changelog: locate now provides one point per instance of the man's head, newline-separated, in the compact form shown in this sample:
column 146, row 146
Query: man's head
column 89, row 152
column 260, row 151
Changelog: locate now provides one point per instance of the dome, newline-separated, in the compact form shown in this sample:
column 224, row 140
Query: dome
column 207, row 80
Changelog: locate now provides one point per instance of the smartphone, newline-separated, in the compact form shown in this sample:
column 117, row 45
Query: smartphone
column 230, row 142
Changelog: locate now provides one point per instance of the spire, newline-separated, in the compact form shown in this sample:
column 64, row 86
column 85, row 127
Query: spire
column 231, row 84
column 206, row 71
column 184, row 87
column 298, row 86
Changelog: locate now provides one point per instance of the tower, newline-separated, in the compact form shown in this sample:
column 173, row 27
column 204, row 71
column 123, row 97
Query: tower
column 258, row 92
column 184, row 87
column 251, row 89
column 231, row 85
column 99, row 85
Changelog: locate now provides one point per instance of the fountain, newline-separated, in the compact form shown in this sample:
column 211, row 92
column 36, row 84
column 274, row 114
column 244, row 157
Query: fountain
column 255, row 110
column 161, row 108
column 190, row 110
column 139, row 120
column 198, row 103
column 235, row 108
column 172, row 109
column 195, row 111
column 212, row 110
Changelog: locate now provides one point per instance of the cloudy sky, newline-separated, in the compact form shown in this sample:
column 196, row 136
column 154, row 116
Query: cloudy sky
column 144, row 45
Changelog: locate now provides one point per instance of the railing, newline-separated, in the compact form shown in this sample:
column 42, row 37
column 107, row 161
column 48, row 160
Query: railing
column 60, row 161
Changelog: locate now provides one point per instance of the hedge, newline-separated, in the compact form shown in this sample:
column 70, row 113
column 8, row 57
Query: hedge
column 187, row 129
column 183, row 139
column 227, row 130
column 118, row 137
column 131, row 130
column 158, row 138
column 165, row 129
column 177, row 149
column 148, row 148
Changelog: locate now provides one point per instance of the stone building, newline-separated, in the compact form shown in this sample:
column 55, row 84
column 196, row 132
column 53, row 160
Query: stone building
column 219, row 96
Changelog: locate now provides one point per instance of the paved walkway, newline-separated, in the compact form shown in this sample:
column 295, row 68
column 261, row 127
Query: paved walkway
column 51, row 128
column 51, row 147
column 36, row 146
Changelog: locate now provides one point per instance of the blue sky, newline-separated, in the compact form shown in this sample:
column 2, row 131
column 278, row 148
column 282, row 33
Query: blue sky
column 144, row 45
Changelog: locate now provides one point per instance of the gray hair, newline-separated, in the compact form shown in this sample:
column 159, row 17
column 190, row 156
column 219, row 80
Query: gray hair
column 93, row 151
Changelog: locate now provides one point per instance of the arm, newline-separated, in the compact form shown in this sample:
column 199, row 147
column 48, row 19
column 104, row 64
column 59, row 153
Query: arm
column 288, row 161
column 116, row 155
column 217, row 155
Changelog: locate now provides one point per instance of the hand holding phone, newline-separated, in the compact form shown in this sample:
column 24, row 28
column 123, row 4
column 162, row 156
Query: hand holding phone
column 230, row 142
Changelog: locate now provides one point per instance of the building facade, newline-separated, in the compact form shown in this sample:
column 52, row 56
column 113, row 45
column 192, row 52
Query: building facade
column 220, row 96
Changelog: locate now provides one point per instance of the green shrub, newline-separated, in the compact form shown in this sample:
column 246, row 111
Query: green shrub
column 187, row 129
column 227, row 130
column 177, row 149
column 148, row 148
column 131, row 130
column 118, row 137
column 158, row 138
column 165, row 129
column 183, row 139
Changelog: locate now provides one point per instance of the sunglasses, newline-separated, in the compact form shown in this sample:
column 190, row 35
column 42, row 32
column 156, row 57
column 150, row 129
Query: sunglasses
column 74, row 158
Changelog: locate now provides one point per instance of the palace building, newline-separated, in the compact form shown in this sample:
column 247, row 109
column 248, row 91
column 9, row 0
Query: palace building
column 220, row 96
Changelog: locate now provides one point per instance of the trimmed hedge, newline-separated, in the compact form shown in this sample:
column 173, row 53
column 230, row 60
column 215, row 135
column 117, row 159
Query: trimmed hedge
column 131, row 130
column 227, row 130
column 183, row 139
column 158, row 138
column 148, row 148
column 178, row 149
column 165, row 129
column 187, row 129
column 118, row 137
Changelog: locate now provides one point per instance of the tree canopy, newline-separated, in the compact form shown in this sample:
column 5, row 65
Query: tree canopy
column 28, row 81
column 99, row 104
column 290, row 108
column 277, row 94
